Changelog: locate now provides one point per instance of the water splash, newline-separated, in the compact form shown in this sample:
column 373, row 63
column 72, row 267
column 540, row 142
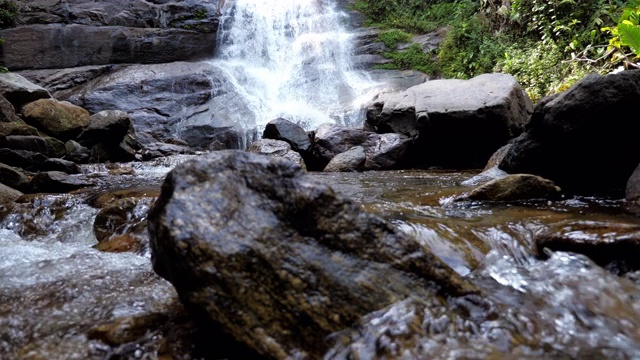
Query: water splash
column 291, row 59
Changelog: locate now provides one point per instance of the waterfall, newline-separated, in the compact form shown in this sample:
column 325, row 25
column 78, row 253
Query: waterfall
column 290, row 59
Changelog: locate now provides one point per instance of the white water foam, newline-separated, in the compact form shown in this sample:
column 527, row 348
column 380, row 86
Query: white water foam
column 291, row 59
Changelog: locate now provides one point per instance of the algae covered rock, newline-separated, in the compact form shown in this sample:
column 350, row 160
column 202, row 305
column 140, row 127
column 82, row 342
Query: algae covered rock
column 277, row 258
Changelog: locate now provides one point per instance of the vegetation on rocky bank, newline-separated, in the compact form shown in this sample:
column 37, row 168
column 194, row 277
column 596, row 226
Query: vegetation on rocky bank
column 546, row 45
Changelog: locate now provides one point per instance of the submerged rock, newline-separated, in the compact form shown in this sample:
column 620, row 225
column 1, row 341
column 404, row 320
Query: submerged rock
column 582, row 139
column 610, row 244
column 514, row 188
column 279, row 260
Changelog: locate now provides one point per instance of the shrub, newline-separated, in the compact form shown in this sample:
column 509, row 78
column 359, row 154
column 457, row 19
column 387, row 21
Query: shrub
column 470, row 49
column 391, row 38
column 8, row 12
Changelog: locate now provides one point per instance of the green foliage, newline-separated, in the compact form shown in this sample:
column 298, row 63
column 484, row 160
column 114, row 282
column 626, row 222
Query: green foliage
column 391, row 38
column 625, row 36
column 414, row 15
column 469, row 50
column 411, row 58
column 8, row 12
column 200, row 14
column 540, row 68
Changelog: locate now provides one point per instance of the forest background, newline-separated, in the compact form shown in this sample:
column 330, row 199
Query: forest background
column 546, row 45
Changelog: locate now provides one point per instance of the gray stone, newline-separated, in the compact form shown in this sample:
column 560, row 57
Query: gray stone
column 350, row 160
column 456, row 123
column 285, row 130
column 59, row 182
column 28, row 143
column 64, row 46
column 160, row 98
column 277, row 148
column 19, row 91
column 109, row 126
column 8, row 195
column 279, row 260
column 384, row 151
column 77, row 153
column 13, row 178
column 632, row 191
column 61, row 165
column 23, row 159
column 7, row 111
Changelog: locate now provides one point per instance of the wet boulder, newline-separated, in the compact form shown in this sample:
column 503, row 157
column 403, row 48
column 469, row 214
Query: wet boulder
column 158, row 149
column 28, row 143
column 14, row 178
column 7, row 111
column 460, row 131
column 350, row 160
column 514, row 188
column 276, row 148
column 55, row 164
column 285, row 130
column 17, row 127
column 23, row 159
column 8, row 194
column 383, row 151
column 77, row 153
column 58, row 118
column 59, row 182
column 108, row 126
column 278, row 259
column 19, row 91
column 55, row 147
column 208, row 137
column 583, row 138
column 610, row 244
column 632, row 192
column 159, row 97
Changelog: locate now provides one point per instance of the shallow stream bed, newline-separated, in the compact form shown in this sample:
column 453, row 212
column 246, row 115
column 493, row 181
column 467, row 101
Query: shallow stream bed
column 60, row 298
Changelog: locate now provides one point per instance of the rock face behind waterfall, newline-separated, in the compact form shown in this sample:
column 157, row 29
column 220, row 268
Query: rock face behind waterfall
column 157, row 97
column 584, row 139
column 455, row 123
column 55, row 35
column 279, row 260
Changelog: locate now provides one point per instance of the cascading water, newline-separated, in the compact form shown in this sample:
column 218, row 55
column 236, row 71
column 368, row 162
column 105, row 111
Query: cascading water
column 290, row 59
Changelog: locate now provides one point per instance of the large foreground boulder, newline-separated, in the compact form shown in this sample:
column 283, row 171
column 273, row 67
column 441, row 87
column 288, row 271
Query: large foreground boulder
column 583, row 139
column 278, row 259
column 456, row 123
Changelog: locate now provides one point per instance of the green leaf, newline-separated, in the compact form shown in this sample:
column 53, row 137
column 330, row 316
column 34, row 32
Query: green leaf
column 630, row 36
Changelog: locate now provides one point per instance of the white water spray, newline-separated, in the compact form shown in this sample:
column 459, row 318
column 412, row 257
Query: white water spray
column 290, row 59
